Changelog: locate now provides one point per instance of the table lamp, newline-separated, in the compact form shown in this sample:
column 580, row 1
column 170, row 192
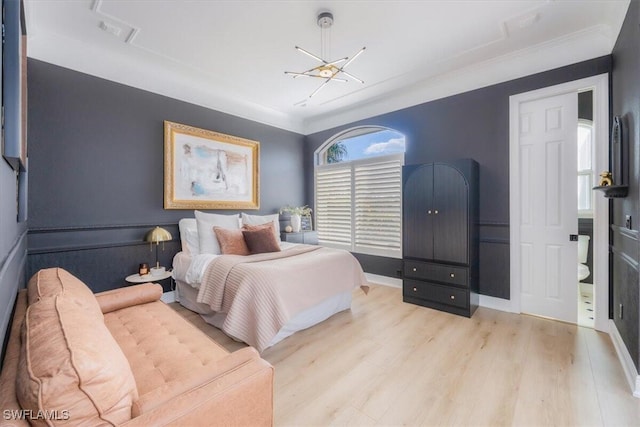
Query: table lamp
column 156, row 236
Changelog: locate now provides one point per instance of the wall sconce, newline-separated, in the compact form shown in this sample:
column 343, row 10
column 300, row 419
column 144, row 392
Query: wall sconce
column 156, row 236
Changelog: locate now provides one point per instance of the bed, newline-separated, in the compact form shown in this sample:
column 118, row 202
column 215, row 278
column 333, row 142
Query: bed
column 261, row 298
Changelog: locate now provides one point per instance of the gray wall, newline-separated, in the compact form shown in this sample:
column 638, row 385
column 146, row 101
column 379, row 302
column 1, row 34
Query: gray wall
column 626, row 247
column 473, row 124
column 96, row 183
column 13, row 245
column 13, row 240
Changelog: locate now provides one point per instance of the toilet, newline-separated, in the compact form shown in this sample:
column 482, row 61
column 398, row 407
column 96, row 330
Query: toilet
column 583, row 251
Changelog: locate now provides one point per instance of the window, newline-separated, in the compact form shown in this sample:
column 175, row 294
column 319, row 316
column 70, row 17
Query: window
column 358, row 187
column 585, row 168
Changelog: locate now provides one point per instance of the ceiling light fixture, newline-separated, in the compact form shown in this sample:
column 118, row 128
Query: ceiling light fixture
column 327, row 70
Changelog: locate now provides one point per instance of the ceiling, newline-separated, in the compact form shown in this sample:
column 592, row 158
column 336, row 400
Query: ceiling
column 231, row 55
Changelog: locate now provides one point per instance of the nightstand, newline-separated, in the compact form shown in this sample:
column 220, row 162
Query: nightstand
column 306, row 237
column 148, row 278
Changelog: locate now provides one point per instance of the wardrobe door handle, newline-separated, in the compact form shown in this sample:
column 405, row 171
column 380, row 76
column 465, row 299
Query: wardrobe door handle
column 415, row 289
column 452, row 275
column 436, row 212
column 415, row 269
column 429, row 212
column 453, row 297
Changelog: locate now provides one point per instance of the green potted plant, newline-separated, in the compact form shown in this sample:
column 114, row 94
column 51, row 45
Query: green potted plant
column 296, row 212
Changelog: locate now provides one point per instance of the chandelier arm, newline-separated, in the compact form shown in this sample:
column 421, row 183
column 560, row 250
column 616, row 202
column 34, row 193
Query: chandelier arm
column 317, row 58
column 338, row 61
column 353, row 58
column 352, row 76
column 320, row 87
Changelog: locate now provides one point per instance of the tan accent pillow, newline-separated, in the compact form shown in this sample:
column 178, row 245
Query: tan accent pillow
column 51, row 282
column 231, row 241
column 70, row 362
column 261, row 241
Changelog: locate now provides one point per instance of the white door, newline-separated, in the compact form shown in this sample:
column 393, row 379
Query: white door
column 548, row 206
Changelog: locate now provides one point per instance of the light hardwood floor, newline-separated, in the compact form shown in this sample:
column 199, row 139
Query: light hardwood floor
column 388, row 363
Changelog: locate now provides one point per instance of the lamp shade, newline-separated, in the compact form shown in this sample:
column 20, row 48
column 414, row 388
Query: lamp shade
column 157, row 235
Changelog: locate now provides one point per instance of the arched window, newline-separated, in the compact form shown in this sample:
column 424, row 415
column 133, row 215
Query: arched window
column 358, row 191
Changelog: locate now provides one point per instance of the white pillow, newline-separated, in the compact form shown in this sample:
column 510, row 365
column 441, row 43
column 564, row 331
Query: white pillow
column 206, row 237
column 189, row 236
column 263, row 219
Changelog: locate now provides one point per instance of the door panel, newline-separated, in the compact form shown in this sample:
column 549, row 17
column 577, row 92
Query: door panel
column 450, row 227
column 548, row 185
column 417, row 200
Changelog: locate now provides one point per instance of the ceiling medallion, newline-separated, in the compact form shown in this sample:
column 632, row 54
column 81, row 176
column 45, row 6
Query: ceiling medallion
column 327, row 70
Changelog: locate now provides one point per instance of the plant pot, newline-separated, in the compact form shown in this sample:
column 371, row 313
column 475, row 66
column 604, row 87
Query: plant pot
column 296, row 221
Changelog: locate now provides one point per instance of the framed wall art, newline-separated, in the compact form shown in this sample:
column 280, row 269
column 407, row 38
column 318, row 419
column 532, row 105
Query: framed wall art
column 14, row 83
column 204, row 169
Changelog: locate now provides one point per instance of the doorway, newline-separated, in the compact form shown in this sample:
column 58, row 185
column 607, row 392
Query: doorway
column 543, row 194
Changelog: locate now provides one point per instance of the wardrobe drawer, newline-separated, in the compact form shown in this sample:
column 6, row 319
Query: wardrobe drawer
column 436, row 272
column 436, row 293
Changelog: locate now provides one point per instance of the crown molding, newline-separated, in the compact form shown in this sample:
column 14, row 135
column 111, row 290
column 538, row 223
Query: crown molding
column 576, row 47
column 152, row 75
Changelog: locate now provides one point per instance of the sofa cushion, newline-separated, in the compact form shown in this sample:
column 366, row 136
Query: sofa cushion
column 51, row 282
column 161, row 346
column 70, row 362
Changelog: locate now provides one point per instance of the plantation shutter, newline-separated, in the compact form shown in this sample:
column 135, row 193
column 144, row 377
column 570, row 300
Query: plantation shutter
column 378, row 208
column 333, row 205
column 359, row 205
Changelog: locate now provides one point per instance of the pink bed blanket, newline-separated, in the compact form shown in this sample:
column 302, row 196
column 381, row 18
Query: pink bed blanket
column 260, row 293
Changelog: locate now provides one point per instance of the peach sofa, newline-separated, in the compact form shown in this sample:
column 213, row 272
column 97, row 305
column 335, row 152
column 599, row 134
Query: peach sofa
column 122, row 357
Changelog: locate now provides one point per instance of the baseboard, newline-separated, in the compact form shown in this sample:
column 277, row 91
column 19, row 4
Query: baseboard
column 494, row 303
column 384, row 280
column 629, row 368
column 169, row 297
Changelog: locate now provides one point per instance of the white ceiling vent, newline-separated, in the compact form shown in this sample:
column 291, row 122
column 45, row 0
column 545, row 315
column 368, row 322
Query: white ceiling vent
column 110, row 28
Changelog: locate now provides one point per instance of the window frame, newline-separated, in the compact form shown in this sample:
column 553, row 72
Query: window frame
column 321, row 164
column 584, row 123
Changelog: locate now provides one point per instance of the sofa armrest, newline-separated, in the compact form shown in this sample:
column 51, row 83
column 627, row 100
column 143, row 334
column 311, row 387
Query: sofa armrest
column 237, row 390
column 120, row 298
column 12, row 414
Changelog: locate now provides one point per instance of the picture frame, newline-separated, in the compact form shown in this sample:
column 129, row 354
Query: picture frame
column 306, row 223
column 204, row 169
column 14, row 82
